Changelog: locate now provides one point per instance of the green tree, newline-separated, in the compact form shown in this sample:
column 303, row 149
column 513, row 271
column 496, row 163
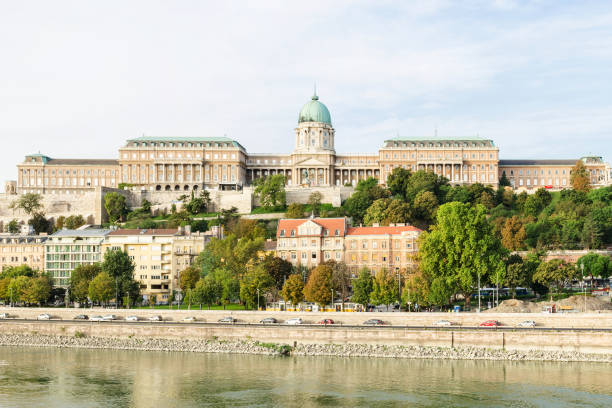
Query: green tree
column 596, row 265
column 516, row 273
column 295, row 210
column 425, row 206
column 38, row 290
column 208, row 291
column 271, row 190
column 18, row 287
column 314, row 200
column 254, row 286
column 554, row 272
column 40, row 224
column 15, row 271
column 362, row 287
column 579, row 177
column 397, row 181
column 102, row 288
column 115, row 206
column 118, row 265
column 30, row 203
column 80, row 278
column 319, row 287
column 426, row 181
column 230, row 285
column 460, row 247
column 198, row 204
column 416, row 290
column 279, row 269
column 366, row 192
column 74, row 221
column 293, row 289
column 189, row 278
column 13, row 226
column 377, row 212
column 341, row 279
column 503, row 181
column 384, row 288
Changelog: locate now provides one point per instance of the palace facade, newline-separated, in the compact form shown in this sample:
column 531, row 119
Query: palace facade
column 192, row 163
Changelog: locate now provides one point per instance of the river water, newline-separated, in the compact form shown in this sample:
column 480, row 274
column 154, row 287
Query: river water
column 49, row 377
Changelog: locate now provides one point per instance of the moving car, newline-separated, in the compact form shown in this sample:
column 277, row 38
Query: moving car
column 44, row 316
column 326, row 321
column 81, row 317
column 189, row 319
column 527, row 323
column 109, row 317
column 490, row 323
column 227, row 319
column 4, row 315
column 373, row 322
column 268, row 320
column 96, row 319
column 443, row 323
column 155, row 318
column 131, row 318
column 294, row 321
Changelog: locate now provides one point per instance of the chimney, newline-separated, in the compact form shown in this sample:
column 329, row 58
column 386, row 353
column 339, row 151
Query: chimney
column 180, row 230
column 187, row 229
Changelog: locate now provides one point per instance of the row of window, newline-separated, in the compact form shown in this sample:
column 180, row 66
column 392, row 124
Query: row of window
column 170, row 155
column 74, row 172
column 180, row 144
column 438, row 144
column 440, row 156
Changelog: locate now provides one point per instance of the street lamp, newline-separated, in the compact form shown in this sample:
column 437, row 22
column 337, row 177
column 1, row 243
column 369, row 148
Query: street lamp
column 257, row 298
column 116, row 293
column 332, row 298
column 478, row 291
column 11, row 297
column 583, row 284
column 399, row 290
column 497, row 288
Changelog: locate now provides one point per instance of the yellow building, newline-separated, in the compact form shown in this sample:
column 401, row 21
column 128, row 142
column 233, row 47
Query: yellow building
column 159, row 255
column 16, row 250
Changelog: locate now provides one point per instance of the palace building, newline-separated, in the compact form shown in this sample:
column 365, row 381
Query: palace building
column 192, row 163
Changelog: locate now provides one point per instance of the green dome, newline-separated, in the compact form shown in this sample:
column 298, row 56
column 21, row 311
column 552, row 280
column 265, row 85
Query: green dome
column 314, row 111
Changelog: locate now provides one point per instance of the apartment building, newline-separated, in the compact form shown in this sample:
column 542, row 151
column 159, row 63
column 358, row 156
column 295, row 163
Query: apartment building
column 66, row 249
column 309, row 242
column 159, row 255
column 17, row 250
column 393, row 247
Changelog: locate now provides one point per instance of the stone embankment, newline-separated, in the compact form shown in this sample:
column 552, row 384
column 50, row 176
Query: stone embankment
column 273, row 349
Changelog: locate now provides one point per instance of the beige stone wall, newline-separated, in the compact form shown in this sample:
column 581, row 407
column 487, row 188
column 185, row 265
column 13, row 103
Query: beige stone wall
column 560, row 340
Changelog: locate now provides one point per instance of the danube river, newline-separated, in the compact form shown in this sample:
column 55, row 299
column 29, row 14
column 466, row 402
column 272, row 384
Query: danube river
column 48, row 377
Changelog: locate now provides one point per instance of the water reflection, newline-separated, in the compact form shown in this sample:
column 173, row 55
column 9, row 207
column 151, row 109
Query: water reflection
column 36, row 377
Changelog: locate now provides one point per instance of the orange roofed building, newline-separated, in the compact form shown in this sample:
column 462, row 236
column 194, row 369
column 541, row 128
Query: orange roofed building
column 309, row 242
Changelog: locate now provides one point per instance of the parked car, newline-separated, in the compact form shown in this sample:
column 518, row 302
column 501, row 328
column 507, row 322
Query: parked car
column 109, row 317
column 189, row 319
column 155, row 318
column 490, row 323
column 268, row 320
column 96, row 319
column 294, row 321
column 43, row 316
column 227, row 319
column 443, row 323
column 373, row 322
column 131, row 318
column 527, row 323
column 81, row 317
column 326, row 321
column 4, row 315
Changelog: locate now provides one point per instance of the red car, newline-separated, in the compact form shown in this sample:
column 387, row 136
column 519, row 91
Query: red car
column 326, row 321
column 490, row 323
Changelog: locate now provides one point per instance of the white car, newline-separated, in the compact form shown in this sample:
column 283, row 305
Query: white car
column 527, row 323
column 4, row 315
column 294, row 321
column 131, row 318
column 96, row 319
column 189, row 319
column 44, row 316
column 155, row 319
column 443, row 323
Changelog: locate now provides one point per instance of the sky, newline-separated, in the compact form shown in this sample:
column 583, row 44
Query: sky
column 79, row 78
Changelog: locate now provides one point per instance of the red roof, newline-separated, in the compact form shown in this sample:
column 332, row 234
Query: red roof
column 381, row 230
column 331, row 224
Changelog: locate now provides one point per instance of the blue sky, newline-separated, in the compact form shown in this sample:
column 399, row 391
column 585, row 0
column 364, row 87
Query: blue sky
column 79, row 78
